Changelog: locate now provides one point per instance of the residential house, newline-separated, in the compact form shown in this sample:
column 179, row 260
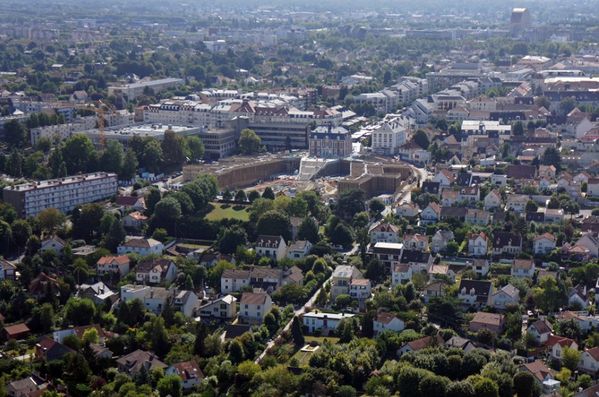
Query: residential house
column 418, row 242
column 507, row 243
column 478, row 244
column 543, row 375
column 441, row 272
column 477, row 217
column 224, row 308
column 557, row 344
column 470, row 194
column 440, row 240
column 265, row 278
column 475, row 293
column 156, row 271
column 54, row 244
column 47, row 349
column 544, row 244
column 492, row 200
column 457, row 342
column 342, row 278
column 431, row 214
column 589, row 361
column 593, row 187
column 27, row 387
column 273, row 247
column 324, row 323
column 540, row 331
column 444, row 177
column 400, row 273
column 360, row 289
column 154, row 299
column 98, row 292
column 135, row 220
column 517, row 203
column 523, row 268
column 521, row 172
column 480, row 267
column 578, row 296
column 136, row 203
column 140, row 246
column 186, row 303
column 299, row 249
column 384, row 232
column 387, row 253
column 419, row 344
column 553, row 215
column 418, row 260
column 44, row 285
column 407, row 210
column 16, row 331
column 547, row 171
column 113, row 265
column 8, row 271
column 490, row 321
column 457, row 213
column 134, row 362
column 508, row 295
column 449, row 197
column 431, row 187
column 254, row 306
column 435, row 288
column 590, row 241
column 188, row 371
column 385, row 321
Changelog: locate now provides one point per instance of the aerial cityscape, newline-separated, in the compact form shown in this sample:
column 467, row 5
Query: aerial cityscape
column 299, row 198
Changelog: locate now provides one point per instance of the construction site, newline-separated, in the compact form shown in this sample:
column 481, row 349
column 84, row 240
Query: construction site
column 291, row 173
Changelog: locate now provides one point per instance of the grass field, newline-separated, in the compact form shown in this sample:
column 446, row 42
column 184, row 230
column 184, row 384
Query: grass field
column 303, row 358
column 224, row 211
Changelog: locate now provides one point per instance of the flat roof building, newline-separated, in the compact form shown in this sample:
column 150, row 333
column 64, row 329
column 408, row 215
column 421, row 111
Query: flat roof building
column 133, row 90
column 65, row 194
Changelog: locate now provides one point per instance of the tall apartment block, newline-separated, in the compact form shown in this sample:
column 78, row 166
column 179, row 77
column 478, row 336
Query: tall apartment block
column 65, row 194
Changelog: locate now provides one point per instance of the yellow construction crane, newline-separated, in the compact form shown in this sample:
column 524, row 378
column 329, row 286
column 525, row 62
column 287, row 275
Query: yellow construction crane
column 99, row 109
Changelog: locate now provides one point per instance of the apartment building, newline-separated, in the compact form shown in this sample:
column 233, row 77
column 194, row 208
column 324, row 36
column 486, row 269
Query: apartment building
column 65, row 194
column 133, row 90
column 391, row 135
column 330, row 142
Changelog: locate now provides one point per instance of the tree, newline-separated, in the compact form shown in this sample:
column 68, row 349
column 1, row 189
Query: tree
column 152, row 156
column 485, row 387
column 376, row 207
column 159, row 337
column 199, row 347
column 42, row 318
column 240, row 196
column 253, row 195
column 268, row 193
column 236, row 353
column 308, row 230
column 15, row 133
column 87, row 220
column 231, row 238
column 78, row 153
column 21, row 231
column 518, row 128
column 196, row 148
column 170, row 385
column 50, row 219
column 460, row 389
column 551, row 156
column 350, row 203
column 524, row 384
column 571, row 358
column 79, row 311
column 531, row 206
column 421, row 139
column 167, row 211
column 130, row 164
column 342, row 235
column 113, row 157
column 152, row 198
column 80, row 270
column 116, row 235
column 249, row 142
column 173, row 149
column 90, row 335
column 296, row 332
column 5, row 238
column 274, row 223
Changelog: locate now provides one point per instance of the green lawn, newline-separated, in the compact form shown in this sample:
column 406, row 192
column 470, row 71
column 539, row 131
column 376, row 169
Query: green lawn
column 303, row 358
column 320, row 339
column 228, row 212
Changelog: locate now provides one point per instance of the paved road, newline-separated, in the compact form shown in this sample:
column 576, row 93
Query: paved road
column 296, row 313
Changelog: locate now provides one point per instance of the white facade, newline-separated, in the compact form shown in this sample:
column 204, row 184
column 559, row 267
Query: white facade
column 543, row 245
column 318, row 321
column 141, row 246
column 65, row 194
column 223, row 308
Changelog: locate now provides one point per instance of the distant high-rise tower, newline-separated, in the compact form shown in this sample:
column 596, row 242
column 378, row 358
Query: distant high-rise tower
column 520, row 21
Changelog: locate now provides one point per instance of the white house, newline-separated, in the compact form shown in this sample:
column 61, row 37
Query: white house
column 589, row 241
column 134, row 220
column 523, row 268
column 188, row 371
column 156, row 271
column 593, row 187
column 323, row 322
column 475, row 292
column 8, row 271
column 517, row 203
column 186, row 302
column 299, row 249
column 407, row 210
column 505, row 296
column 140, row 246
column 384, row 232
column 440, row 240
column 113, row 265
column 444, row 177
column 400, row 273
column 254, row 306
column 578, row 296
column 480, row 267
column 430, row 214
column 544, row 244
column 54, row 244
column 342, row 278
column 360, row 289
column 589, row 360
column 153, row 298
column 387, row 321
column 540, row 330
column 478, row 244
column 557, row 344
column 416, row 241
column 273, row 247
column 224, row 308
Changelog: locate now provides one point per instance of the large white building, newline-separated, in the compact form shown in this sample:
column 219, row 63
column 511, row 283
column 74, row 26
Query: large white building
column 133, row 90
column 65, row 194
column 324, row 322
column 392, row 133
